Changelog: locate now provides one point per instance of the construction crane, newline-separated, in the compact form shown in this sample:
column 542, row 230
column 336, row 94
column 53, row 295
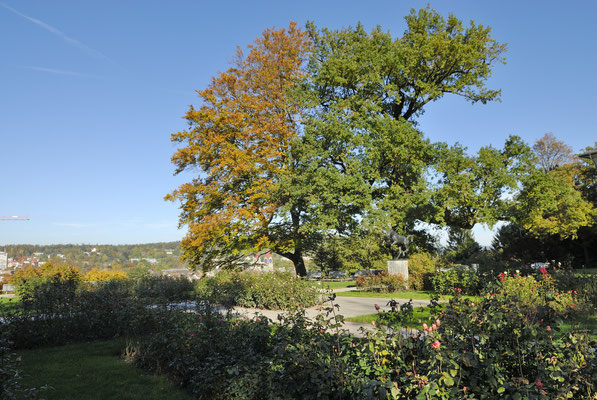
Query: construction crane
column 14, row 218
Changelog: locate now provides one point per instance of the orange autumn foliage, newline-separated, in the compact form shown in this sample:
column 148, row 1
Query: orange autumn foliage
column 104, row 275
column 238, row 140
column 50, row 271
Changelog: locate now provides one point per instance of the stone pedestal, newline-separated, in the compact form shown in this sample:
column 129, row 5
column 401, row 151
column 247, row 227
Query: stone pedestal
column 398, row 267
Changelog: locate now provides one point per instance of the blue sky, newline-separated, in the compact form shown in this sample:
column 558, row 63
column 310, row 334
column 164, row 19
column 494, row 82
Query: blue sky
column 90, row 92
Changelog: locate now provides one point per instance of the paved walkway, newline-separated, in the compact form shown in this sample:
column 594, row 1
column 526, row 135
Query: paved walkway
column 349, row 307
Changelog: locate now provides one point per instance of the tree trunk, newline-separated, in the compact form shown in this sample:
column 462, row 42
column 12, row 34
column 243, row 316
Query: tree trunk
column 585, row 251
column 299, row 264
column 297, row 260
column 297, row 256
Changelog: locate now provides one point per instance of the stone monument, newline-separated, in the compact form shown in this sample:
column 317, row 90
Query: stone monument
column 398, row 247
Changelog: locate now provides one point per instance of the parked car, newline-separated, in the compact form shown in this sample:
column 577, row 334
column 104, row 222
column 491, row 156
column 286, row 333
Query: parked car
column 314, row 275
column 337, row 274
column 367, row 272
column 537, row 265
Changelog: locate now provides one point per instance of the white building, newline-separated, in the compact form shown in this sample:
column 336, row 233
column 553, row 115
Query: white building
column 3, row 260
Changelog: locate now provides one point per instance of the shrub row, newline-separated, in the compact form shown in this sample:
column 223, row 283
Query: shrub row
column 163, row 288
column 55, row 313
column 273, row 291
column 460, row 277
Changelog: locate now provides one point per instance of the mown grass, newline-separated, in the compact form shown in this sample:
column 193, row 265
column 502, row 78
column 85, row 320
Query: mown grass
column 409, row 294
column 586, row 270
column 338, row 285
column 92, row 370
column 586, row 322
column 420, row 315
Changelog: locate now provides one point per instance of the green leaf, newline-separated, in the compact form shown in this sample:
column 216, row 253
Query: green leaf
column 448, row 381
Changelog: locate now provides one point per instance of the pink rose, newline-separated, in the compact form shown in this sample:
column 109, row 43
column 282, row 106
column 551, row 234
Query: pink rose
column 539, row 384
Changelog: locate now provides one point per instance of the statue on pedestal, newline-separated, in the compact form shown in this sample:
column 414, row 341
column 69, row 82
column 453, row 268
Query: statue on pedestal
column 398, row 243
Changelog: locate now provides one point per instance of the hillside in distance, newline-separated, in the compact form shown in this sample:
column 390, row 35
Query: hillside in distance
column 162, row 255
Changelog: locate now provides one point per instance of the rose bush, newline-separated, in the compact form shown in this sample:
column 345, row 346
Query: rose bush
column 472, row 350
column 461, row 277
column 383, row 283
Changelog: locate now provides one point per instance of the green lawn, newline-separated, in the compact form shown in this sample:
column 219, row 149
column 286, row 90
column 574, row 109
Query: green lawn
column 587, row 322
column 92, row 370
column 420, row 315
column 410, row 294
column 337, row 285
column 586, row 270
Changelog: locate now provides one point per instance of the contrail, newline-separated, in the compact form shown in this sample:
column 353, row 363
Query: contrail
column 60, row 71
column 57, row 32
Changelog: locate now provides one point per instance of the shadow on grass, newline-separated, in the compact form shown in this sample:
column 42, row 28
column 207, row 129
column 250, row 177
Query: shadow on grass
column 92, row 370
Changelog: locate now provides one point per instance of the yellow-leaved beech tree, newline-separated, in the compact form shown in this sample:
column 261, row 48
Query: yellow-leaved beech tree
column 239, row 140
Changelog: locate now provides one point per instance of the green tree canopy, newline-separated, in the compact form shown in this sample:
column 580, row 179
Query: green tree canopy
column 347, row 159
column 368, row 89
column 552, row 201
column 479, row 189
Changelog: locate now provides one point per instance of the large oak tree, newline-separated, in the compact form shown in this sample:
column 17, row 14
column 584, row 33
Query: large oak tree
column 367, row 89
column 238, row 141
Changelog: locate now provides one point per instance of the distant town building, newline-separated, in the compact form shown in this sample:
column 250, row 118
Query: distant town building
column 267, row 261
column 152, row 261
column 263, row 262
column 3, row 260
column 178, row 273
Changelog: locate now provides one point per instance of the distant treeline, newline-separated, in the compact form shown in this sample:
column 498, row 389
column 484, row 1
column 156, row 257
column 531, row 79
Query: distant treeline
column 160, row 255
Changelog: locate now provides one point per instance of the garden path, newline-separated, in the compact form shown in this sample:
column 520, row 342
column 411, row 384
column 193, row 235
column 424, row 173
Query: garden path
column 349, row 307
